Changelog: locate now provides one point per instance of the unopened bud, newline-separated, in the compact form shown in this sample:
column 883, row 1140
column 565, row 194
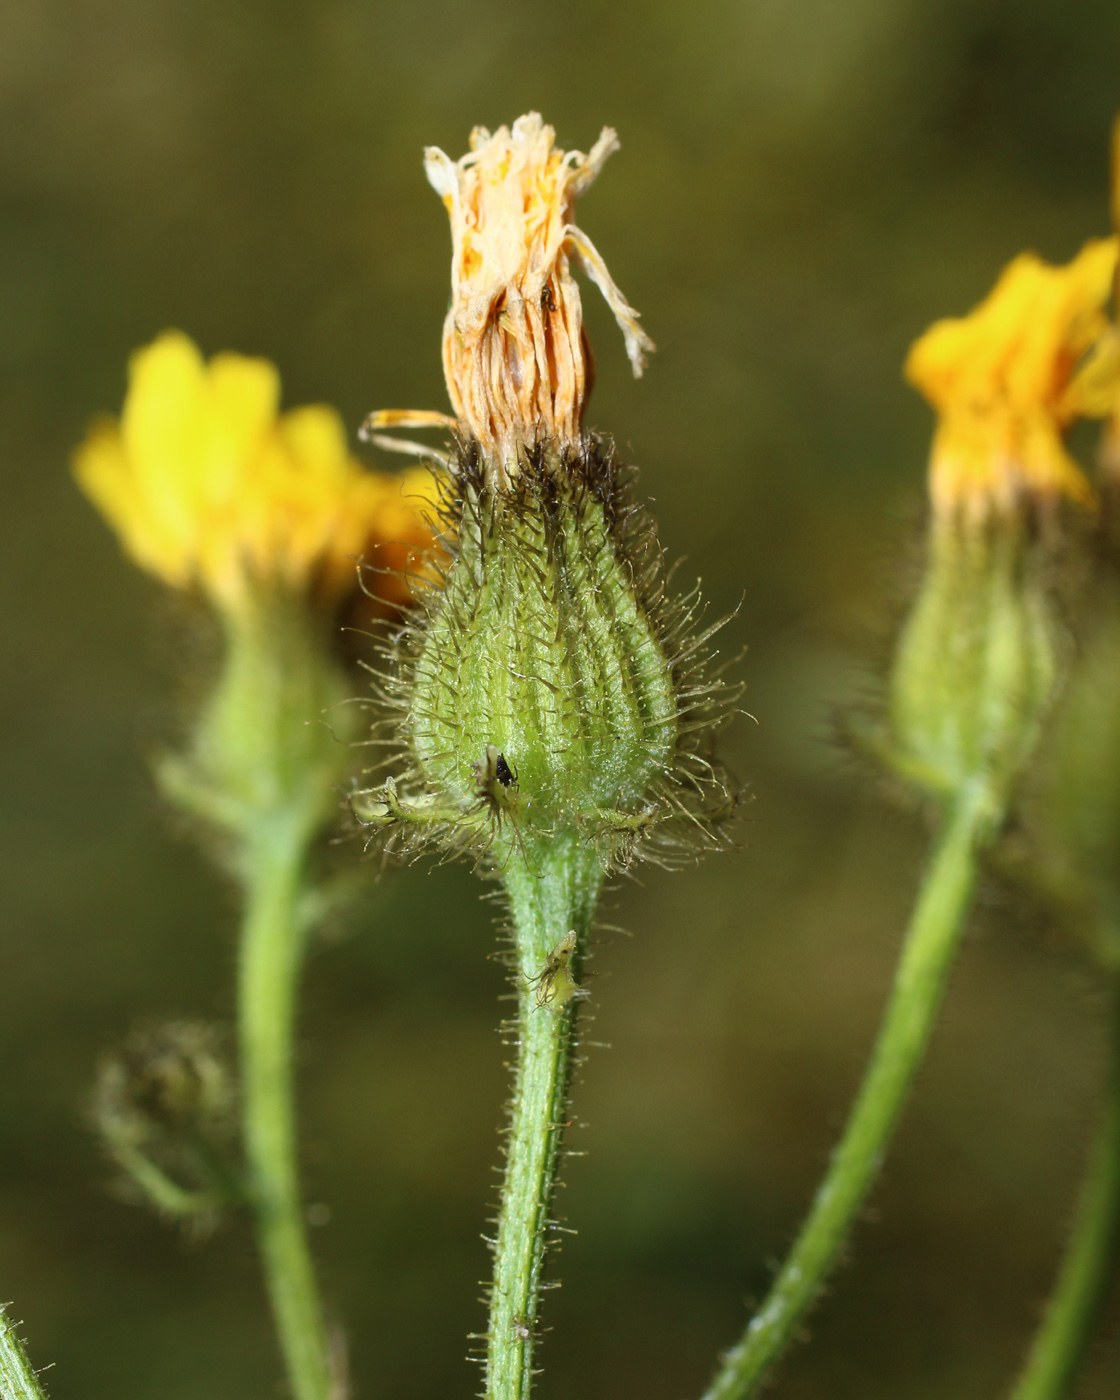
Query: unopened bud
column 164, row 1082
column 541, row 686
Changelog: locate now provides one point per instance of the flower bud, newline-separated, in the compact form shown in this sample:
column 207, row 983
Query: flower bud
column 166, row 1081
column 164, row 1106
column 541, row 686
column 550, row 701
column 549, row 689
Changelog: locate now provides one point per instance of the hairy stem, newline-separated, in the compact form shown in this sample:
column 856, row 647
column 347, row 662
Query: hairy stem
column 272, row 947
column 1087, row 1264
column 923, row 969
column 18, row 1379
column 551, row 893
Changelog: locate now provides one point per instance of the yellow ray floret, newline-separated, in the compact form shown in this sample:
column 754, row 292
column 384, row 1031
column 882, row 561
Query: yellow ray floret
column 513, row 343
column 208, row 485
column 1009, row 378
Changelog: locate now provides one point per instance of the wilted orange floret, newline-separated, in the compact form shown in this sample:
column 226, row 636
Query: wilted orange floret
column 208, row 485
column 1009, row 378
column 513, row 343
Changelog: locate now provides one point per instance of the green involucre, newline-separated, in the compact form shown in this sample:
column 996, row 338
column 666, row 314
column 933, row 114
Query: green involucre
column 547, row 683
column 975, row 668
column 267, row 739
column 539, row 648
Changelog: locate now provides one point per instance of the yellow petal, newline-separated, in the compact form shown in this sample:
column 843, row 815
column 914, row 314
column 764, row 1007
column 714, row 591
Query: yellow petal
column 205, row 484
column 1006, row 385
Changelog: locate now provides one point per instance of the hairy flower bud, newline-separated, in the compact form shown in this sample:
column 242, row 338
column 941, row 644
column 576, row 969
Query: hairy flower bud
column 266, row 739
column 210, row 488
column 168, row 1079
column 549, row 688
column 164, row 1106
column 542, row 651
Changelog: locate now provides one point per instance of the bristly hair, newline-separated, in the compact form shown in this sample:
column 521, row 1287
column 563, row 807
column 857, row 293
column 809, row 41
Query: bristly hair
column 687, row 808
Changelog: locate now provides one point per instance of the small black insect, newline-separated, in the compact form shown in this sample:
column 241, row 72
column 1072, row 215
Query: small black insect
column 496, row 780
column 546, row 297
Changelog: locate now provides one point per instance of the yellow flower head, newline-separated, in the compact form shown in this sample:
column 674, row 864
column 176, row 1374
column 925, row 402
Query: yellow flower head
column 1009, row 378
column 514, row 350
column 207, row 485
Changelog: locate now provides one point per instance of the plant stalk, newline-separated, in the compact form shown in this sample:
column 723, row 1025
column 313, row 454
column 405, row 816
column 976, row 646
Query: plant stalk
column 927, row 956
column 18, row 1379
column 1090, row 1254
column 551, row 893
column 272, row 947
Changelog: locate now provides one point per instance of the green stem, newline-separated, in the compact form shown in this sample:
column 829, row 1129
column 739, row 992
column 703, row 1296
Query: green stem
column 166, row 1195
column 18, row 1380
column 550, row 894
column 923, row 969
column 272, row 948
column 1084, row 1275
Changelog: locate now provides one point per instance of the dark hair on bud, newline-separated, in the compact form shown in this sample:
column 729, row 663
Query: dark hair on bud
column 678, row 805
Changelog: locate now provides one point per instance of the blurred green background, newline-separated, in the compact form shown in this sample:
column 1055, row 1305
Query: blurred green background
column 803, row 186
